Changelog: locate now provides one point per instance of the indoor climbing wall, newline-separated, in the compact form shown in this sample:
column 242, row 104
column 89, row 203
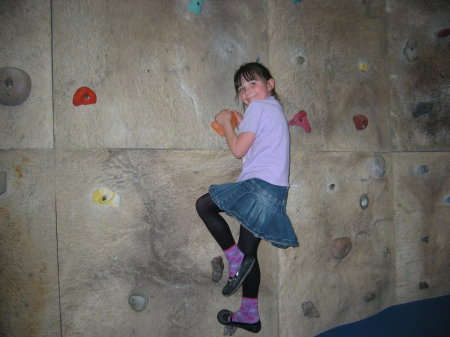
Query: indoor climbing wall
column 106, row 143
column 372, row 216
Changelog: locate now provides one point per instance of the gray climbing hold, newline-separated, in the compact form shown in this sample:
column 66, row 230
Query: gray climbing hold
column 410, row 50
column 229, row 330
column 364, row 201
column 422, row 169
column 310, row 310
column 370, row 296
column 341, row 247
column 386, row 251
column 3, row 183
column 378, row 166
column 217, row 268
column 422, row 108
column 138, row 302
column 15, row 86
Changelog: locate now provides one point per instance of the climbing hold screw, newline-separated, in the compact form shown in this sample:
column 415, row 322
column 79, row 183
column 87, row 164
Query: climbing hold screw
column 300, row 59
column 331, row 187
column 425, row 239
column 386, row 251
column 364, row 201
column 9, row 83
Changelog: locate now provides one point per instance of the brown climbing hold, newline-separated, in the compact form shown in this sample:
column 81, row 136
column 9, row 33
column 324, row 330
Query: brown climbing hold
column 310, row 310
column 423, row 285
column 341, row 247
column 217, row 268
column 443, row 32
column 360, row 121
column 370, row 296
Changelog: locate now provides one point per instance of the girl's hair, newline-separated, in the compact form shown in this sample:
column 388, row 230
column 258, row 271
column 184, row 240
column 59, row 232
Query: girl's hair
column 252, row 71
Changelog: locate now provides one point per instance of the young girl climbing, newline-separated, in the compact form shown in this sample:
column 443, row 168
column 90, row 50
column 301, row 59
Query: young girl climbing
column 258, row 198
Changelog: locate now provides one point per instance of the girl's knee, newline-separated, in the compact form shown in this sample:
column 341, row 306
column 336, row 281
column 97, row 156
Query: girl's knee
column 202, row 203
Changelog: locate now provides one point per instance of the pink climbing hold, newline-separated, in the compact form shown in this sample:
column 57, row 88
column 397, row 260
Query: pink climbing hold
column 443, row 32
column 360, row 121
column 301, row 119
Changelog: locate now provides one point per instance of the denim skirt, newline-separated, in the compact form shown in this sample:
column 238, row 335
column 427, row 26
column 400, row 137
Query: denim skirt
column 258, row 206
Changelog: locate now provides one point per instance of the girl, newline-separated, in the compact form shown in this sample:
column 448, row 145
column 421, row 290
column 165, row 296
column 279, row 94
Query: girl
column 258, row 198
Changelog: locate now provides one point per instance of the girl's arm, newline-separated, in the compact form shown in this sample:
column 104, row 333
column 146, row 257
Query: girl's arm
column 238, row 145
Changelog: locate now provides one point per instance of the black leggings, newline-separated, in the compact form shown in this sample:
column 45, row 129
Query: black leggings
column 248, row 243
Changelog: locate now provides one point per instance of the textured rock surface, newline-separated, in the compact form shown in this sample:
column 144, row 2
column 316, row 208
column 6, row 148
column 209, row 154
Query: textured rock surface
column 29, row 304
column 153, row 241
column 26, row 44
column 422, row 220
column 160, row 74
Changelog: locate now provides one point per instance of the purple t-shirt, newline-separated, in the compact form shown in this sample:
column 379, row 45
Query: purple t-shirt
column 268, row 157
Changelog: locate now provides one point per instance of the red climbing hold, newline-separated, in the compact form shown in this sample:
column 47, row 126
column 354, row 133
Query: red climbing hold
column 443, row 32
column 301, row 119
column 84, row 96
column 360, row 121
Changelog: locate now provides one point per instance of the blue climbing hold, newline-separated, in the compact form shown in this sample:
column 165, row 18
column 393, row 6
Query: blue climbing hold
column 447, row 199
column 195, row 6
column 295, row 1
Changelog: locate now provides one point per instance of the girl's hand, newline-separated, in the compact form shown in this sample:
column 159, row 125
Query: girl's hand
column 224, row 116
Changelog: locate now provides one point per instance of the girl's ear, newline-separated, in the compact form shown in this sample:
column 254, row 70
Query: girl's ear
column 270, row 84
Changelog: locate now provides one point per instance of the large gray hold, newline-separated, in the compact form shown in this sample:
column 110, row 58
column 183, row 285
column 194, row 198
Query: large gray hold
column 15, row 86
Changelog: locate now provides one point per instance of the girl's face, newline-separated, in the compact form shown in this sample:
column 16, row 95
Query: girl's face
column 255, row 90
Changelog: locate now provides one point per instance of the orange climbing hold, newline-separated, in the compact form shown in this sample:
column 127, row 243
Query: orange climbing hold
column 219, row 129
column 84, row 96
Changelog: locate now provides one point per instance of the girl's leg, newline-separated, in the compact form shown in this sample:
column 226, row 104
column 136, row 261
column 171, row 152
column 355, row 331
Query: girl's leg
column 218, row 227
column 248, row 312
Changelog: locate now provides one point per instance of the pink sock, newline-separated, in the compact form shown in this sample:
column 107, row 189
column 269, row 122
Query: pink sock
column 234, row 257
column 248, row 313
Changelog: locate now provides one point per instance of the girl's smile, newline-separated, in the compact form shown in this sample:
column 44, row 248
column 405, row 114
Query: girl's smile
column 255, row 90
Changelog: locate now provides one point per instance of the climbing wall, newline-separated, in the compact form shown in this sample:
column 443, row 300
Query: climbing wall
column 106, row 143
column 373, row 219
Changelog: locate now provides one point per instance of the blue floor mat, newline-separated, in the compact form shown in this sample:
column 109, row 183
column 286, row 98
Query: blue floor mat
column 427, row 318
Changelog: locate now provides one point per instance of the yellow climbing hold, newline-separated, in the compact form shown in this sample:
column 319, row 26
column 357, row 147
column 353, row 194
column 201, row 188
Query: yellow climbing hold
column 363, row 67
column 104, row 196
